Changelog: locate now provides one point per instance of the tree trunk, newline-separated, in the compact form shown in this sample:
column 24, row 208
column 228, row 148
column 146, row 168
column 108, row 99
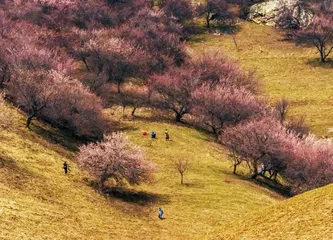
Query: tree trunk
column 118, row 87
column 102, row 187
column 235, row 167
column 102, row 183
column 322, row 57
column 86, row 64
column 178, row 117
column 181, row 178
column 275, row 175
column 254, row 176
column 214, row 130
column 133, row 111
column 124, row 111
column 207, row 21
column 29, row 119
column 322, row 54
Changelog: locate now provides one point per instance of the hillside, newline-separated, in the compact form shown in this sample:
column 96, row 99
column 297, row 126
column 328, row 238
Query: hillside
column 37, row 201
column 307, row 216
column 285, row 70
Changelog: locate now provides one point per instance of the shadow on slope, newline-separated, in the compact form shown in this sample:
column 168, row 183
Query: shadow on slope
column 141, row 198
column 55, row 136
column 316, row 63
column 13, row 175
column 264, row 182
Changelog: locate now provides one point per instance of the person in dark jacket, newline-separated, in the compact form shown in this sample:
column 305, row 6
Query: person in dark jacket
column 167, row 137
column 66, row 167
column 153, row 134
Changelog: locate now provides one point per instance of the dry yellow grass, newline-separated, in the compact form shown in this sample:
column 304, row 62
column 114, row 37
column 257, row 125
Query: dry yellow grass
column 37, row 201
column 285, row 70
column 308, row 216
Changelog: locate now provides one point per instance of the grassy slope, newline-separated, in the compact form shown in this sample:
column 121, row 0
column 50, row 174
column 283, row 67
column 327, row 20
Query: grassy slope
column 37, row 201
column 307, row 216
column 286, row 71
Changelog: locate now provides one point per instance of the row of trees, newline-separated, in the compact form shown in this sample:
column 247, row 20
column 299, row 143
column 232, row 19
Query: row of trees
column 211, row 88
column 43, row 42
column 38, row 80
column 304, row 163
column 216, row 93
column 105, row 44
column 220, row 97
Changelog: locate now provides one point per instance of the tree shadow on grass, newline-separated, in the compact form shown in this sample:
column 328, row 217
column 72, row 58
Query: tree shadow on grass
column 131, row 202
column 264, row 182
column 15, row 175
column 140, row 198
column 315, row 62
column 217, row 30
column 139, row 204
column 128, row 128
column 159, row 116
column 56, row 136
column 7, row 161
column 194, row 185
column 197, row 39
column 228, row 29
column 274, row 186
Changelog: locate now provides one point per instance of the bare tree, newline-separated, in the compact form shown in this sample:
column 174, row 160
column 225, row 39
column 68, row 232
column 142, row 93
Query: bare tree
column 318, row 34
column 281, row 108
column 182, row 166
column 235, row 158
column 214, row 10
column 32, row 91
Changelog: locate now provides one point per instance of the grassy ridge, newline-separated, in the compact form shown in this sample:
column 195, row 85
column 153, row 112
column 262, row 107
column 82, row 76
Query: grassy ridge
column 307, row 216
column 37, row 201
column 285, row 71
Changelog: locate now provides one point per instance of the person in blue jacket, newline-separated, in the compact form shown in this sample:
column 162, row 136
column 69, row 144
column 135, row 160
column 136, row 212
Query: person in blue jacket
column 160, row 213
column 153, row 134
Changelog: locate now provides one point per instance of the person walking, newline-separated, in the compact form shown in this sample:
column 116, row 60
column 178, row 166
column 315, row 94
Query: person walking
column 66, row 167
column 167, row 137
column 160, row 213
